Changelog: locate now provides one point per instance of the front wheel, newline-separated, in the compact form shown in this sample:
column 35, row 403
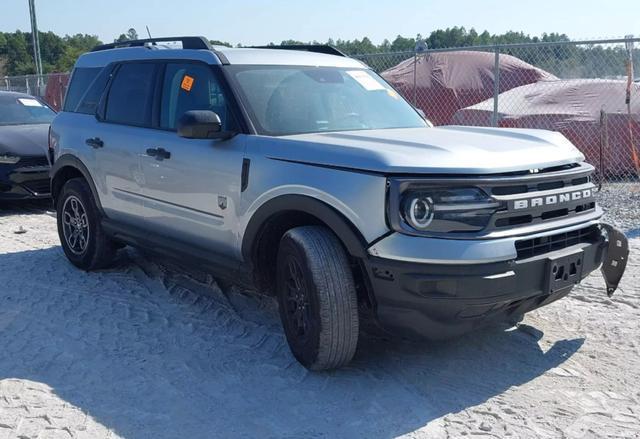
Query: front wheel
column 81, row 235
column 317, row 298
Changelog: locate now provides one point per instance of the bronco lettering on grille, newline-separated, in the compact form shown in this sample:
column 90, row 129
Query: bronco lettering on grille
column 551, row 199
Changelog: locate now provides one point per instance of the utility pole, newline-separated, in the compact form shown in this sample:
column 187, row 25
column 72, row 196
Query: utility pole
column 35, row 38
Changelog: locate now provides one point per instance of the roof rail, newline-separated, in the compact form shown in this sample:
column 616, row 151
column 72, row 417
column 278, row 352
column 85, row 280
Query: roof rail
column 317, row 48
column 187, row 43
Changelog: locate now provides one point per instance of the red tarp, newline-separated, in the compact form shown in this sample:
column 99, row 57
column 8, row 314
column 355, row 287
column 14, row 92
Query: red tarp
column 572, row 107
column 449, row 81
column 55, row 90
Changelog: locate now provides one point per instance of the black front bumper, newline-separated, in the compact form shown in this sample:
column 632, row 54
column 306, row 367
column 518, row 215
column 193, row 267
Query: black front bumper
column 24, row 182
column 437, row 301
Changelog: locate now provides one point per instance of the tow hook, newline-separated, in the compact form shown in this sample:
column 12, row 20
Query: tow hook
column 616, row 254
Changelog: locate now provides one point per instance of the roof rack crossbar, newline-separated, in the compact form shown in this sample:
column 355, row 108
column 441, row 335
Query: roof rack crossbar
column 317, row 48
column 187, row 43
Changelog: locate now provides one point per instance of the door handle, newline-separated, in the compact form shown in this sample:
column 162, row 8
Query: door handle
column 94, row 142
column 159, row 153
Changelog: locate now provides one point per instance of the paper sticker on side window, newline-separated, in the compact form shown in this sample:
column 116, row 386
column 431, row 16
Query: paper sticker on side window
column 187, row 83
column 365, row 80
column 30, row 102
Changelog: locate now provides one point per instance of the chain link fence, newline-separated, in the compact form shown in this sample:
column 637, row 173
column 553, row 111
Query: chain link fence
column 585, row 89
column 51, row 87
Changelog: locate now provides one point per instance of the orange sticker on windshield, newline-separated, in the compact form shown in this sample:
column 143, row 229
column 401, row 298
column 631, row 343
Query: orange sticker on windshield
column 187, row 83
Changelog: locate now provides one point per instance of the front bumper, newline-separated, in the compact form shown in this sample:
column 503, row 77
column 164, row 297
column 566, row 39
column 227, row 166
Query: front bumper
column 441, row 300
column 19, row 182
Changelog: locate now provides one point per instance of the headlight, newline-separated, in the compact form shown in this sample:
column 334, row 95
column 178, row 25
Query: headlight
column 9, row 159
column 418, row 208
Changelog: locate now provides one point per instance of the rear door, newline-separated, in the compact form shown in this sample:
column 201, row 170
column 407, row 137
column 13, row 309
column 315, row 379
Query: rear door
column 123, row 131
column 192, row 190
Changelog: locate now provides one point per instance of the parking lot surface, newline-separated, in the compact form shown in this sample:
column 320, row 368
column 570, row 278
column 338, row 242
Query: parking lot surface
column 149, row 350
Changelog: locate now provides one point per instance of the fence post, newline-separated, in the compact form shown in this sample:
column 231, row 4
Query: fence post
column 496, row 85
column 604, row 146
column 415, row 75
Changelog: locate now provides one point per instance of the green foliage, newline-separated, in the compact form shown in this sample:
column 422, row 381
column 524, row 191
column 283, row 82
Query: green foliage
column 131, row 34
column 219, row 43
column 58, row 53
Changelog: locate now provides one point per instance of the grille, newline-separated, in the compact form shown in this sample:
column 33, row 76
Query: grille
column 33, row 162
column 529, row 248
column 568, row 183
column 38, row 187
column 543, row 197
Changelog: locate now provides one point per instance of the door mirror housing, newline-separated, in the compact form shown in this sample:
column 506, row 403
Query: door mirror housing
column 201, row 124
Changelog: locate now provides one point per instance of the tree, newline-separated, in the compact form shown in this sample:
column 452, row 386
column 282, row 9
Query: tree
column 19, row 60
column 219, row 43
column 131, row 34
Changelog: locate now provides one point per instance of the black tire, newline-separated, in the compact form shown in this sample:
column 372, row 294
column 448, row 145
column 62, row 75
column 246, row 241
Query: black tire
column 319, row 313
column 98, row 251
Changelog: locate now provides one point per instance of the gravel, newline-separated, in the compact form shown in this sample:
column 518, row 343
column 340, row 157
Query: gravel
column 621, row 204
column 148, row 350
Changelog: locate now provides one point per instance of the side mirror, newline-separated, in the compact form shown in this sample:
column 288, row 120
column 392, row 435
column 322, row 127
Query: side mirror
column 201, row 124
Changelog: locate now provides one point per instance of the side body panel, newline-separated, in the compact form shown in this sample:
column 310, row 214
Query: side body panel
column 114, row 168
column 358, row 196
column 193, row 196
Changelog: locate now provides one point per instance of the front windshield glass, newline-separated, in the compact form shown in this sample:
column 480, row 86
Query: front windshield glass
column 285, row 100
column 24, row 111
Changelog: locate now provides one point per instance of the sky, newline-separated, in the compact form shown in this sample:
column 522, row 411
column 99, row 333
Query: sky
column 253, row 22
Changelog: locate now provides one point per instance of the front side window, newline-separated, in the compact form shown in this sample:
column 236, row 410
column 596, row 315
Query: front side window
column 24, row 111
column 292, row 99
column 192, row 87
column 130, row 98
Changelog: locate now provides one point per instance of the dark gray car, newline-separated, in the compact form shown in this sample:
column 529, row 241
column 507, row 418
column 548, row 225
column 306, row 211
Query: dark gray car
column 24, row 165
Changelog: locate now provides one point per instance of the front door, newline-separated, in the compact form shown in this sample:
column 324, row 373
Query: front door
column 192, row 186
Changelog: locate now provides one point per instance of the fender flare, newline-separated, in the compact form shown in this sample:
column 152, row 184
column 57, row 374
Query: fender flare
column 344, row 229
column 71, row 161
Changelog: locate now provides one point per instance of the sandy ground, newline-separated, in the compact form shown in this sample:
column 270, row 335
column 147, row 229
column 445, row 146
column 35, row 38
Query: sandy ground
column 145, row 350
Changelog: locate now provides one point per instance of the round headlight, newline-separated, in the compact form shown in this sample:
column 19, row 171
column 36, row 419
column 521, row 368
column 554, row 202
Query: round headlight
column 419, row 212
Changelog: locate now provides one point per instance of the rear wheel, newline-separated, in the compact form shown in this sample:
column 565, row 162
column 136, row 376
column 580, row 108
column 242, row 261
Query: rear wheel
column 317, row 298
column 83, row 240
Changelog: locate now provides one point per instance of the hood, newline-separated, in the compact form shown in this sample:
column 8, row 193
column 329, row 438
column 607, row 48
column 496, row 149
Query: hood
column 24, row 140
column 443, row 150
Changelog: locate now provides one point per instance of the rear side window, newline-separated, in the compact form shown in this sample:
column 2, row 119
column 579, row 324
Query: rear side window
column 130, row 99
column 80, row 80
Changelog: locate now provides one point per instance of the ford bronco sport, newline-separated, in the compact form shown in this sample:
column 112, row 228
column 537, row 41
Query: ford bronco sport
column 304, row 174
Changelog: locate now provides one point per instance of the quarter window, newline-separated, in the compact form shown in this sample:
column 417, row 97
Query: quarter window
column 80, row 80
column 192, row 87
column 130, row 99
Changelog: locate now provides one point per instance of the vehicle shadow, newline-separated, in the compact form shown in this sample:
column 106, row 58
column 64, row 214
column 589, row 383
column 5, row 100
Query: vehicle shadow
column 17, row 207
column 151, row 352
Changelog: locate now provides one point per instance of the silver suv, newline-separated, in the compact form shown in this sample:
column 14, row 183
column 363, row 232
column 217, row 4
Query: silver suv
column 304, row 174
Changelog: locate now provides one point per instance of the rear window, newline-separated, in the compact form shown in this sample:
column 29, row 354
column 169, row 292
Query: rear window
column 80, row 80
column 24, row 110
column 131, row 94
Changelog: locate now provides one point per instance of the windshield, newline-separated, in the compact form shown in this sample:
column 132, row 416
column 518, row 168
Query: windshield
column 291, row 100
column 24, row 111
